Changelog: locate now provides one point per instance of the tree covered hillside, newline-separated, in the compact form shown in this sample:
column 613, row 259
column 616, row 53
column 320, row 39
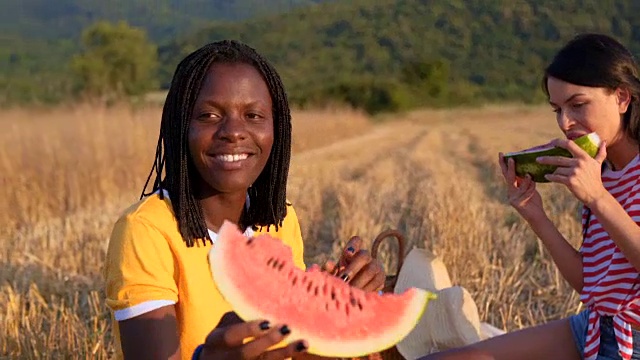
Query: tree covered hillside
column 39, row 37
column 376, row 54
column 161, row 18
column 386, row 50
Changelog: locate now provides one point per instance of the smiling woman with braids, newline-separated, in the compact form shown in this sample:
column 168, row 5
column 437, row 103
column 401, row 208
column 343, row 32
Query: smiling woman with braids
column 226, row 137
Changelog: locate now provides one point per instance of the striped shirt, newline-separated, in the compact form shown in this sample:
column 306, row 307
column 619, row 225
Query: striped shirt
column 611, row 283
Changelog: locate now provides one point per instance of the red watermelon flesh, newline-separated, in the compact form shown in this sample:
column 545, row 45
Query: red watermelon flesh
column 258, row 278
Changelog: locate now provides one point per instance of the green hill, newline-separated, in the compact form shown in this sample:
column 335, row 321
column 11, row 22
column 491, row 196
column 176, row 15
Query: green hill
column 163, row 19
column 381, row 51
column 379, row 54
column 38, row 37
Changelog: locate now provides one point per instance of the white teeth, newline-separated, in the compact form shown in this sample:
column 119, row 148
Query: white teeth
column 232, row 158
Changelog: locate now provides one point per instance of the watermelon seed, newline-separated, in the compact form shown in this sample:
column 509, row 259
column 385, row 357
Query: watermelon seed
column 359, row 305
column 333, row 294
column 295, row 280
column 316, row 291
column 270, row 261
column 280, row 266
column 309, row 286
column 326, row 306
column 353, row 301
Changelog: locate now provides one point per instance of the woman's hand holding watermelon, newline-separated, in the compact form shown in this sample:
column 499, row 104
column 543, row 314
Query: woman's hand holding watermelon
column 227, row 341
column 581, row 174
column 522, row 192
column 357, row 267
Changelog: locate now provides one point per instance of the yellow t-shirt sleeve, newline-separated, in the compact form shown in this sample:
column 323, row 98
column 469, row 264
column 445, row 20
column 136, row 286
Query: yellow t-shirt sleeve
column 296, row 243
column 140, row 266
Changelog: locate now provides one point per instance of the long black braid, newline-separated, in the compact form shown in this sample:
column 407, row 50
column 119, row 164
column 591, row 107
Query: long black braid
column 267, row 196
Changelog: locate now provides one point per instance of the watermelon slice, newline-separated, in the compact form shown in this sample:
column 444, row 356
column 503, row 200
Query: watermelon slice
column 526, row 163
column 258, row 278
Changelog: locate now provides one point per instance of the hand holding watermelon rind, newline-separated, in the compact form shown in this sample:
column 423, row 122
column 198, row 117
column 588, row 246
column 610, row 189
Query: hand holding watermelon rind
column 574, row 163
column 581, row 174
column 521, row 192
column 526, row 160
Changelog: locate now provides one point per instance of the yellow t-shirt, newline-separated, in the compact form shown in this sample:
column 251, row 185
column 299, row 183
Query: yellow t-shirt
column 148, row 266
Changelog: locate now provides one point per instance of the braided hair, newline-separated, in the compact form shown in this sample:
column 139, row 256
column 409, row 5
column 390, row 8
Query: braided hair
column 267, row 195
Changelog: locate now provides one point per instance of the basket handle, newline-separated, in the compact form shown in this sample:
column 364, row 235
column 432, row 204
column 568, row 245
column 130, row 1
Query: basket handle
column 401, row 245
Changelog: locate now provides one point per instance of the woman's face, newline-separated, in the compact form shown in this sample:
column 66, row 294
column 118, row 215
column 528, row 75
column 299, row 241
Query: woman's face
column 231, row 129
column 581, row 110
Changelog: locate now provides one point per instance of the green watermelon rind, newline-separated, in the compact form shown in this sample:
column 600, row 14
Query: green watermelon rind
column 525, row 160
column 334, row 348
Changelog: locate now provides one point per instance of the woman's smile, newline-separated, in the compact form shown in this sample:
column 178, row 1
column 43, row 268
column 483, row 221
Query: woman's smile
column 231, row 161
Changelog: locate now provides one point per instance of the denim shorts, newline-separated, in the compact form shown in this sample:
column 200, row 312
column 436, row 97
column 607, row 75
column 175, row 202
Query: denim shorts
column 608, row 344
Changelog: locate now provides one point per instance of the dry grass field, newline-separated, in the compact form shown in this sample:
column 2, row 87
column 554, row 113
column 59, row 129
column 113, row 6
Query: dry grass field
column 67, row 173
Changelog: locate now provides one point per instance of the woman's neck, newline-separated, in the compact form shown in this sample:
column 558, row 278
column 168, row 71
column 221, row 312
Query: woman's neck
column 219, row 207
column 622, row 153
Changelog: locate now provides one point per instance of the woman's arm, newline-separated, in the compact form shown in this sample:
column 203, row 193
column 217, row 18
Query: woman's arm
column 582, row 176
column 526, row 200
column 622, row 229
column 566, row 257
column 153, row 335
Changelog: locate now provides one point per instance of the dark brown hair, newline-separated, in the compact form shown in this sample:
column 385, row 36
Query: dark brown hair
column 597, row 60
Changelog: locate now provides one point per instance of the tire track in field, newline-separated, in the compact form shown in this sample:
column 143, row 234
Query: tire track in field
column 359, row 185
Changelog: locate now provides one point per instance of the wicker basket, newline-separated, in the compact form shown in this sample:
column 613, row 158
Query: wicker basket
column 390, row 282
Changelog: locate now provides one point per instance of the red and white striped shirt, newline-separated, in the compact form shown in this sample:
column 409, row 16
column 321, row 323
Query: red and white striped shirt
column 611, row 283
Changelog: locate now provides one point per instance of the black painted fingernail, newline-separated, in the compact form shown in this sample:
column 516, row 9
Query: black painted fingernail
column 264, row 325
column 344, row 277
column 350, row 249
column 301, row 347
column 285, row 330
